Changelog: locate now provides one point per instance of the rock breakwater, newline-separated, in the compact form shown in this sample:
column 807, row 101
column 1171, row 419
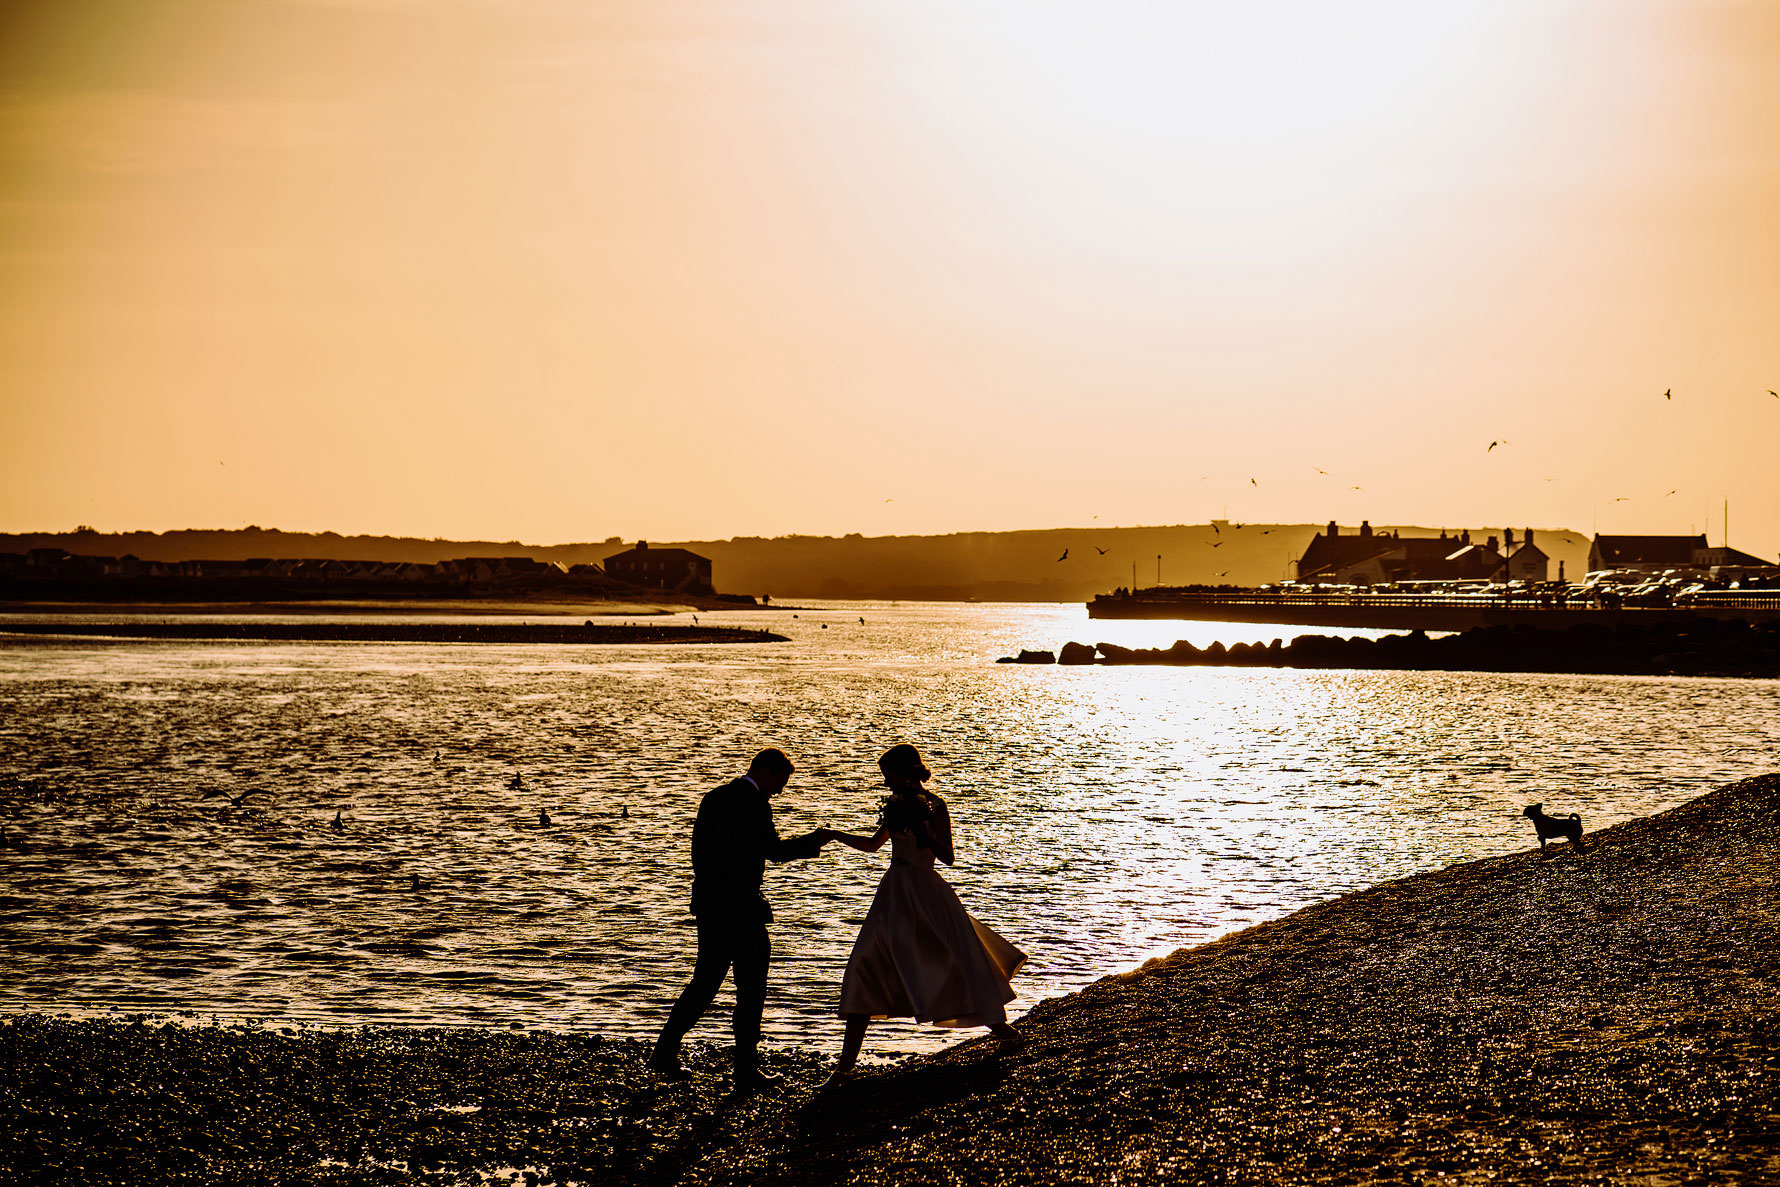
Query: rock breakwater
column 1703, row 647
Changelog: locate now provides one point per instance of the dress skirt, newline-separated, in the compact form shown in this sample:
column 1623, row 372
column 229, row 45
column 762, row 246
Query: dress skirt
column 920, row 955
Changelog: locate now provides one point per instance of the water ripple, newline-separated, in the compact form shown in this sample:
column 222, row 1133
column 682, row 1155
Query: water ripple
column 1105, row 815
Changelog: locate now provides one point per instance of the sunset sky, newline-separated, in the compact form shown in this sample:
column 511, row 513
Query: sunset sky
column 558, row 270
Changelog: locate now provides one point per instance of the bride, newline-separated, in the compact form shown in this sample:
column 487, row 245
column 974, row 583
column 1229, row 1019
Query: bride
column 919, row 954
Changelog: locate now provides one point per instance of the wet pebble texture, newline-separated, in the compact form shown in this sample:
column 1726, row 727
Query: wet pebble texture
column 1608, row 1018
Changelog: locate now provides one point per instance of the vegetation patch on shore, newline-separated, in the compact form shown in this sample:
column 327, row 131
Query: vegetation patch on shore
column 1601, row 1017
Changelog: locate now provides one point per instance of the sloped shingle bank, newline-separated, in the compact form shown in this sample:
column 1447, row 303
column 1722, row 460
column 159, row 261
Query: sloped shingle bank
column 1608, row 1018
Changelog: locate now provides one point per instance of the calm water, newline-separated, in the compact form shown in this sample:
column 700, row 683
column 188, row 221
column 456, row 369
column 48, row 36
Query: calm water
column 1104, row 815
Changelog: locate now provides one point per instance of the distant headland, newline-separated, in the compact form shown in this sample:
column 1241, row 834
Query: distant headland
column 1065, row 564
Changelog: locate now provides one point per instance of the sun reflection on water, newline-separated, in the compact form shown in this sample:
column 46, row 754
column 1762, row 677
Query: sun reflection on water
column 1105, row 814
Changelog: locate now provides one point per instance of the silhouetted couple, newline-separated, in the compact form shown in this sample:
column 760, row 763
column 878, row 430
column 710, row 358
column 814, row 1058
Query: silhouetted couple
column 919, row 953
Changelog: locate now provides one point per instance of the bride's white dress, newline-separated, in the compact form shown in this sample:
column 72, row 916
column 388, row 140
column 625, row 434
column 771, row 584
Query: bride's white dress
column 920, row 955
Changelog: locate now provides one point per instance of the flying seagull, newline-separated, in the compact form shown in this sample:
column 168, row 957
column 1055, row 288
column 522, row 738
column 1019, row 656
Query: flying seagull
column 1252, row 482
column 1065, row 555
column 234, row 800
column 1493, row 444
column 1668, row 393
column 1100, row 550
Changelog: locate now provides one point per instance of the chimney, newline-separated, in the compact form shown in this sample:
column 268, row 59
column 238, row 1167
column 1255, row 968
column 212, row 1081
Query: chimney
column 1365, row 529
column 642, row 546
column 1333, row 530
column 1508, row 539
column 1465, row 536
column 1529, row 535
column 1490, row 544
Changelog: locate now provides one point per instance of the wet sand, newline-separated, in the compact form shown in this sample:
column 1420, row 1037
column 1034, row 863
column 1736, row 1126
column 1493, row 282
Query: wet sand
column 1608, row 1018
column 590, row 633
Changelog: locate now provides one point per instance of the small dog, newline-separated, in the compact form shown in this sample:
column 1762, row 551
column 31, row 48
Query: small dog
column 1568, row 827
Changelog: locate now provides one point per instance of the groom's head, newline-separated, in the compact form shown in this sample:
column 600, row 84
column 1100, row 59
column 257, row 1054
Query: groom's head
column 771, row 770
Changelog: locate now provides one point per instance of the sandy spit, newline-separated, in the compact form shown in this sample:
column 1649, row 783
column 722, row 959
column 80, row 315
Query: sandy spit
column 589, row 634
column 1602, row 1018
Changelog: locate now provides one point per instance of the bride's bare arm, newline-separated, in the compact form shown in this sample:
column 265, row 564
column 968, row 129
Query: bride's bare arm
column 869, row 844
column 939, row 831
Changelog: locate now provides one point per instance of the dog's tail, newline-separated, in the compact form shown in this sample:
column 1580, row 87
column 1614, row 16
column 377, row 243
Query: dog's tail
column 1576, row 837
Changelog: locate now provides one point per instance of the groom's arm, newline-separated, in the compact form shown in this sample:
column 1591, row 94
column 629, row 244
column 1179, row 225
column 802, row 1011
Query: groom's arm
column 777, row 848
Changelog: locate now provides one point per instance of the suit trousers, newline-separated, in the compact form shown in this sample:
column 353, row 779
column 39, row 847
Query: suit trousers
column 725, row 942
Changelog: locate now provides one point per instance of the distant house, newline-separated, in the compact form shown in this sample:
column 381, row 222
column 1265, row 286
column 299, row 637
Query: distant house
column 1650, row 554
column 1369, row 558
column 1729, row 558
column 1654, row 554
column 661, row 568
column 483, row 569
column 1528, row 563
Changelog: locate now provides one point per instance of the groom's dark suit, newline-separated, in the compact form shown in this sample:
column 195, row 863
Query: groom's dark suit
column 732, row 840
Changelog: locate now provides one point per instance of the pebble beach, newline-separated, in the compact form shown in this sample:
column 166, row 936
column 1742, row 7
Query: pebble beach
column 1608, row 1017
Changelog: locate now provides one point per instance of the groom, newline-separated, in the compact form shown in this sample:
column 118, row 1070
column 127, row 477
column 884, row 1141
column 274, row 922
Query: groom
column 732, row 840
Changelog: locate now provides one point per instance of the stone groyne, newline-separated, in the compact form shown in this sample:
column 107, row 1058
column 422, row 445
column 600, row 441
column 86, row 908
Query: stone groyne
column 1700, row 647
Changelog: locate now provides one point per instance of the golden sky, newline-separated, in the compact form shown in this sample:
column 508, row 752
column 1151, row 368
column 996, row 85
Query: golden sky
column 556, row 270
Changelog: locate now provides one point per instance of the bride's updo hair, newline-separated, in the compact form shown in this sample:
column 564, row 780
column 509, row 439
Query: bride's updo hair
column 904, row 759
column 906, row 811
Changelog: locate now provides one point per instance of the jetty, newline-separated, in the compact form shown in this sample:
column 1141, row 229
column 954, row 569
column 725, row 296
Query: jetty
column 1502, row 606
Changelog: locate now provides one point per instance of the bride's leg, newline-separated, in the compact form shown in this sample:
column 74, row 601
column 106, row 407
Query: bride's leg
column 1010, row 1038
column 854, row 1040
column 849, row 1051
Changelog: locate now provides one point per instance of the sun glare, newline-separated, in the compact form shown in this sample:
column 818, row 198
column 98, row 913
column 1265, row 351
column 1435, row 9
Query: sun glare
column 1212, row 132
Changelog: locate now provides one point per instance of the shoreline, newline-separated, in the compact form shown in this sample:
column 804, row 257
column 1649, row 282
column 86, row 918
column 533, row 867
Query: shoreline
column 414, row 606
column 1608, row 1017
column 589, row 633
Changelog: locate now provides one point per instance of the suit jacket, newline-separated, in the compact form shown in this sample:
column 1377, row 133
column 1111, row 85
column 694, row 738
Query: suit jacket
column 732, row 840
